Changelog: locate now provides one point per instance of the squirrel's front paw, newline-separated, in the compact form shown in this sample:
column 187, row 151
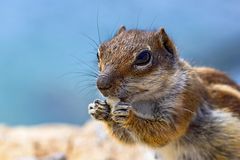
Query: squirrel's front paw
column 121, row 112
column 99, row 110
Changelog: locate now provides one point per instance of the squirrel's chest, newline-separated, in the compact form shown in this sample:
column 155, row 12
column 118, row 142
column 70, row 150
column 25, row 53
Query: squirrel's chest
column 151, row 109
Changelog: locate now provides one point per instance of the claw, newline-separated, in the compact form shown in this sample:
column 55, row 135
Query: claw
column 100, row 102
column 119, row 119
column 123, row 106
column 120, row 113
column 99, row 110
column 91, row 106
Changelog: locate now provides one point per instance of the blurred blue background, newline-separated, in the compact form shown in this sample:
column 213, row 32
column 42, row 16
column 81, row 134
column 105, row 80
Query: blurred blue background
column 44, row 43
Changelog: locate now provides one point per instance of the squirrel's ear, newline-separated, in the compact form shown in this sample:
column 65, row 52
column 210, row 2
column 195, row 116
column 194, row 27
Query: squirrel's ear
column 120, row 30
column 166, row 42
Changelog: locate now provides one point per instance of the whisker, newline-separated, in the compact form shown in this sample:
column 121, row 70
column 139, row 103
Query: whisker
column 80, row 74
column 154, row 19
column 98, row 31
column 92, row 52
column 138, row 17
column 91, row 39
column 80, row 85
column 84, row 73
column 80, row 62
column 93, row 91
column 95, row 48
column 85, row 83
column 82, row 89
column 114, row 28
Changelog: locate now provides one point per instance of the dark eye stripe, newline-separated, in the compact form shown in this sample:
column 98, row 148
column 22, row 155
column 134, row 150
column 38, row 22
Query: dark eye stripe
column 97, row 56
column 143, row 58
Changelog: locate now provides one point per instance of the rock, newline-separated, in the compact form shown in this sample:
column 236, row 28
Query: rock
column 65, row 142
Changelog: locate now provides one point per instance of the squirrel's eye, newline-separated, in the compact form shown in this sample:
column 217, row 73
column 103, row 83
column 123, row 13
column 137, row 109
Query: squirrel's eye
column 143, row 58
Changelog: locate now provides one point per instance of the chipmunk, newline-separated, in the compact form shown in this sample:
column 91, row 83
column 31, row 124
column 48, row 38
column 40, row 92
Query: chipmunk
column 157, row 99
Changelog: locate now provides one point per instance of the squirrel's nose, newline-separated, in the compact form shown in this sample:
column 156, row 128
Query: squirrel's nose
column 104, row 82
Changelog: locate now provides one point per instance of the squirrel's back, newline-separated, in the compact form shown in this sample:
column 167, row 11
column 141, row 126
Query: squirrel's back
column 223, row 91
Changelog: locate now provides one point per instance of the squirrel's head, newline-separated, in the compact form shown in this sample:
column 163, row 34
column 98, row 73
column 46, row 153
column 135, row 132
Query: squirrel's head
column 136, row 64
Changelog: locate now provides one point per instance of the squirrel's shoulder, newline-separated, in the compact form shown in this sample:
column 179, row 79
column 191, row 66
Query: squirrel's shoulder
column 211, row 76
column 223, row 91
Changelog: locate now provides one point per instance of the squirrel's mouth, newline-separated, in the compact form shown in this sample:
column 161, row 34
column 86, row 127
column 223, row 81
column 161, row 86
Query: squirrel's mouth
column 124, row 95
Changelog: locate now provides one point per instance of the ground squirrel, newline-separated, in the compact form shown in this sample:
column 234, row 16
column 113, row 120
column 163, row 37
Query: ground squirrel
column 181, row 112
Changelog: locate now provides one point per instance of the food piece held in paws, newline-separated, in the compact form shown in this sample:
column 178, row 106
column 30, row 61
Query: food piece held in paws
column 112, row 101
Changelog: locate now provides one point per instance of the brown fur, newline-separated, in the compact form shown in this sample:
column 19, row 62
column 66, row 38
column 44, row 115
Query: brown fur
column 211, row 76
column 180, row 101
column 159, row 133
column 223, row 91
